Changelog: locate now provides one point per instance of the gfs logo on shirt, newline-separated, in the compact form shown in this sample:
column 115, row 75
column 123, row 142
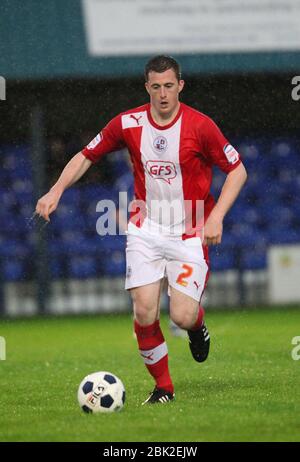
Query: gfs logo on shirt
column 161, row 170
column 231, row 154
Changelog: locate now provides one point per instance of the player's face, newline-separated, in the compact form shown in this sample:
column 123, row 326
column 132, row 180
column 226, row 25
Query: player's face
column 164, row 89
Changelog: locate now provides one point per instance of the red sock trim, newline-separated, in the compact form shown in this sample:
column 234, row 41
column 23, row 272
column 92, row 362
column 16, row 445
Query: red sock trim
column 148, row 336
column 146, row 330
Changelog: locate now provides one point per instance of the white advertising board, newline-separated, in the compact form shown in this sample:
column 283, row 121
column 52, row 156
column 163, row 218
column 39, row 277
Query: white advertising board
column 135, row 27
column 284, row 273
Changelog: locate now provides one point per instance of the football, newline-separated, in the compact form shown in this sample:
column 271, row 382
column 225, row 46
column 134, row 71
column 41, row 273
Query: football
column 101, row 392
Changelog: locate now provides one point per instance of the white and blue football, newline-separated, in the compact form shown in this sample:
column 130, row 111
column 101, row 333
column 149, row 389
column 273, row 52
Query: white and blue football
column 101, row 392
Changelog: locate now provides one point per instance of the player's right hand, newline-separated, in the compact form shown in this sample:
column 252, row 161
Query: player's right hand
column 48, row 203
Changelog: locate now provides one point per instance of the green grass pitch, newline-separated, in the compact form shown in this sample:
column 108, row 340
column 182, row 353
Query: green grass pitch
column 247, row 390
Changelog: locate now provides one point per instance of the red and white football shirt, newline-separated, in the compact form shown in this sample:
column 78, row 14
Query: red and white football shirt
column 172, row 164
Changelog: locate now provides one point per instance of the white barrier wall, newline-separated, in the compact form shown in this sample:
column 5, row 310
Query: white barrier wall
column 284, row 273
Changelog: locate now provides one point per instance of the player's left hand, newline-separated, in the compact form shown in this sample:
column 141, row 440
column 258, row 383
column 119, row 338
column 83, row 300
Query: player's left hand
column 213, row 230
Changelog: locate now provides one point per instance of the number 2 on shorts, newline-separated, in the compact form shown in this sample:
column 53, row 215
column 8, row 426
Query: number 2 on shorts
column 188, row 271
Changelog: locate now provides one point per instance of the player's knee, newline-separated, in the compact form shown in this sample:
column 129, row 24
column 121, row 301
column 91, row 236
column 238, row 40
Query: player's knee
column 145, row 306
column 144, row 316
column 144, row 313
column 183, row 320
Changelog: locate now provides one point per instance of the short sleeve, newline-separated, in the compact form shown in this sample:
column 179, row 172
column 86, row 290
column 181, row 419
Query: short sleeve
column 108, row 140
column 216, row 148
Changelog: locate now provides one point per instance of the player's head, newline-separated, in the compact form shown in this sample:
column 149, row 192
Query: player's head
column 162, row 63
column 163, row 83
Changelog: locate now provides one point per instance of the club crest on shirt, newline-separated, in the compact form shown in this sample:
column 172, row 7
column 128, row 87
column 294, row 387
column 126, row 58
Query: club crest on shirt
column 160, row 144
column 161, row 170
column 231, row 154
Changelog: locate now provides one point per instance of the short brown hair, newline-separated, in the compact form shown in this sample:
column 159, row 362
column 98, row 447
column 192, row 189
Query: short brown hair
column 162, row 63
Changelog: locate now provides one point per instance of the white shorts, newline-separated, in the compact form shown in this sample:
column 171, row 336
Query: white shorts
column 150, row 258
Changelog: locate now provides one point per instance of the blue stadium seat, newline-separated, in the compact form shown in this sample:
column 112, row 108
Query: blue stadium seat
column 4, row 178
column 5, row 215
column 245, row 234
column 278, row 217
column 91, row 195
column 13, row 248
column 15, row 256
column 69, row 219
column 22, row 186
column 252, row 217
column 25, row 210
column 58, row 266
column 83, row 267
column 114, row 242
column 71, row 198
column 74, row 243
column 250, row 150
column 283, row 235
column 72, row 240
column 17, row 151
column 13, row 225
column 21, row 171
column 17, row 165
column 13, row 270
column 8, row 199
column 91, row 220
column 118, row 161
column 125, row 183
column 57, row 247
column 295, row 207
column 221, row 258
column 254, row 257
column 114, row 263
column 238, row 211
column 284, row 150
